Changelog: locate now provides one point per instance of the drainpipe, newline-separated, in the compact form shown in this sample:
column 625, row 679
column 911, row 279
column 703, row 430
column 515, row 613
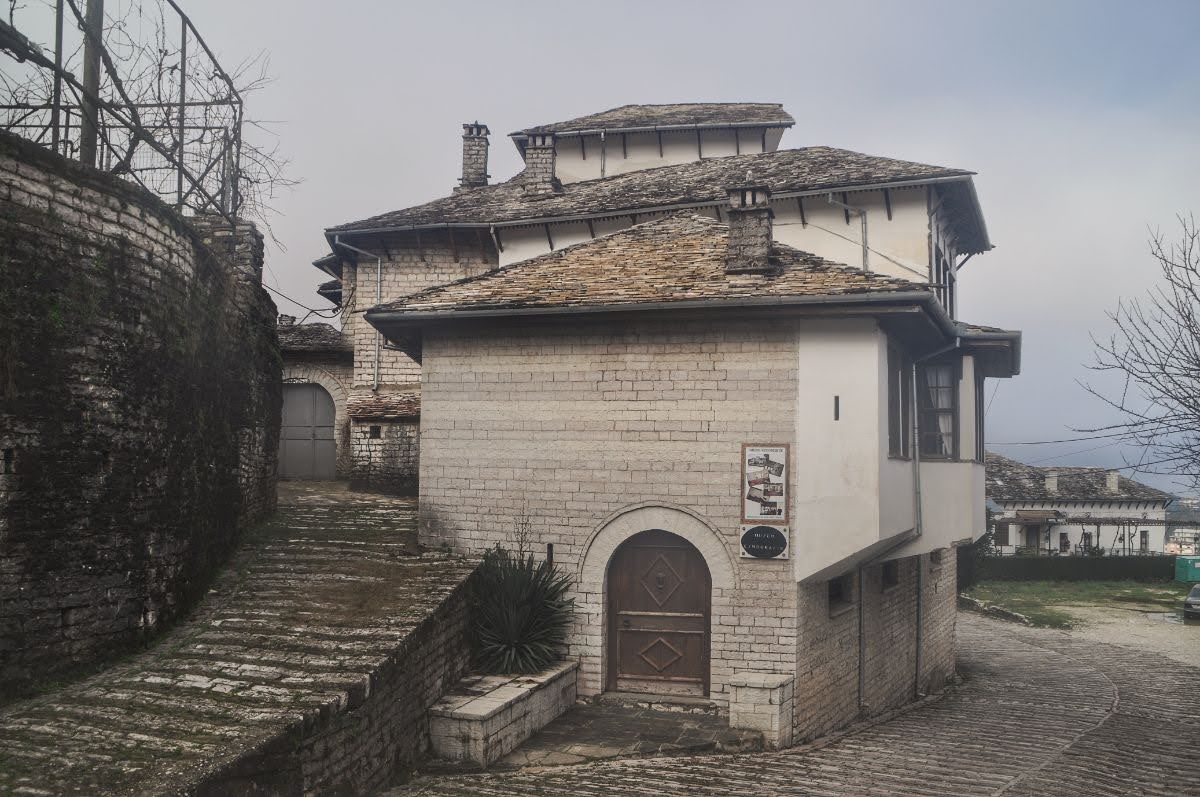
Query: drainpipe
column 378, row 299
column 918, row 515
column 862, row 645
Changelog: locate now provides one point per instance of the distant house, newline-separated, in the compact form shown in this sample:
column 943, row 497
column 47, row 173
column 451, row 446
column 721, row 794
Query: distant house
column 315, row 434
column 1070, row 511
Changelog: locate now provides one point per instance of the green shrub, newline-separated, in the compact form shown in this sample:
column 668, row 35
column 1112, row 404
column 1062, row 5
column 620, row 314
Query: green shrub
column 519, row 613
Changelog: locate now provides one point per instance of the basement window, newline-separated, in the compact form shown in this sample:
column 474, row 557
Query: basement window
column 376, row 432
column 890, row 575
column 936, row 557
column 841, row 594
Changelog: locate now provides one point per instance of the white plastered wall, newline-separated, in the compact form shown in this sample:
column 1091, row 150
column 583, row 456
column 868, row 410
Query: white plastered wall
column 900, row 245
column 580, row 157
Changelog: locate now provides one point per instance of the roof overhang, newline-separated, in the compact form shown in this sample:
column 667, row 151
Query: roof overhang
column 332, row 233
column 521, row 136
column 915, row 316
column 998, row 353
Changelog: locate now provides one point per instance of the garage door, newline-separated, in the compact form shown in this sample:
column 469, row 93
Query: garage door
column 306, row 446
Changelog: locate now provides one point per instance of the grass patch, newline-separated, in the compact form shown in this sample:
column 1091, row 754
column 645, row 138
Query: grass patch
column 1040, row 601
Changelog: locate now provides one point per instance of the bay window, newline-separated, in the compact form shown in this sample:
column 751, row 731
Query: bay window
column 937, row 397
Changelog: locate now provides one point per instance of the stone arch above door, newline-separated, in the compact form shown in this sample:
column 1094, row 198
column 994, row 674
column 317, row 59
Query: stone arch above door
column 626, row 522
column 300, row 373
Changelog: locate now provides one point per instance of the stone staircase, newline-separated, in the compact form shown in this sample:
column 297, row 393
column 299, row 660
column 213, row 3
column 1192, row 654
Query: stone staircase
column 309, row 666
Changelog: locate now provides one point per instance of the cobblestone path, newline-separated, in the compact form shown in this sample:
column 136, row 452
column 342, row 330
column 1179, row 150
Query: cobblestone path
column 311, row 605
column 1040, row 714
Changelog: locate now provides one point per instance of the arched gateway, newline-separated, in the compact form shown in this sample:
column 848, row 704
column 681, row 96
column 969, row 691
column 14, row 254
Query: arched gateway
column 306, row 442
column 659, row 610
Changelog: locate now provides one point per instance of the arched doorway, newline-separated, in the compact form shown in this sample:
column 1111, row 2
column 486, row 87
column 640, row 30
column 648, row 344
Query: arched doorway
column 306, row 443
column 659, row 608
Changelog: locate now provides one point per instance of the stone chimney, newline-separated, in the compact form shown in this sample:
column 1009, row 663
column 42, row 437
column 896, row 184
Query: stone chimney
column 1112, row 481
column 475, row 156
column 750, row 230
column 287, row 320
column 539, row 164
column 1052, row 481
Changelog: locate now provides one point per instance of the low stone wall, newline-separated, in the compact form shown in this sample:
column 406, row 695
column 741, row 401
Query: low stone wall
column 487, row 717
column 139, row 410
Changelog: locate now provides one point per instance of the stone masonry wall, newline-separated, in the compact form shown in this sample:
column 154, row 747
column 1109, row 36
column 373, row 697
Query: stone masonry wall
column 139, row 410
column 829, row 656
column 569, row 424
column 378, row 736
column 387, row 463
column 410, row 264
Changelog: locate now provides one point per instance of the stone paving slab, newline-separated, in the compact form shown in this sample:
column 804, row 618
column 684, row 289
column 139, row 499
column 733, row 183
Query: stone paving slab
column 1040, row 714
column 597, row 731
column 291, row 630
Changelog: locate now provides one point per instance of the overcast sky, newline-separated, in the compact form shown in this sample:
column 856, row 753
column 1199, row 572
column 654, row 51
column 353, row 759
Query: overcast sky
column 1081, row 119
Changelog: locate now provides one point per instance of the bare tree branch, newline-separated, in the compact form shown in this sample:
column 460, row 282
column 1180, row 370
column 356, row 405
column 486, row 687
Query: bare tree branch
column 1155, row 344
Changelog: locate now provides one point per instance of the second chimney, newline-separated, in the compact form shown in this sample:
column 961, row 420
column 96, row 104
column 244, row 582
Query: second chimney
column 1052, row 481
column 750, row 230
column 475, row 156
column 539, row 164
column 1112, row 481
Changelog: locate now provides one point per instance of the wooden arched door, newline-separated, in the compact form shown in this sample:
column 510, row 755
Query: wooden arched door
column 659, row 606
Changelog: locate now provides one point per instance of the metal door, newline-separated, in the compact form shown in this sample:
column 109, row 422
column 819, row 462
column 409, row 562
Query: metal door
column 306, row 445
column 659, row 596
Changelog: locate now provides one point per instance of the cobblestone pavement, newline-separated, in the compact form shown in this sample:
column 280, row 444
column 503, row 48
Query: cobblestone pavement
column 596, row 731
column 1040, row 714
column 311, row 604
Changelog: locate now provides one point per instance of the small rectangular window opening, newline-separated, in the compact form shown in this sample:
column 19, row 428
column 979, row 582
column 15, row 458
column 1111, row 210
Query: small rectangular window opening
column 9, row 457
column 550, row 553
column 840, row 593
column 935, row 557
column 376, row 432
column 837, row 408
column 890, row 574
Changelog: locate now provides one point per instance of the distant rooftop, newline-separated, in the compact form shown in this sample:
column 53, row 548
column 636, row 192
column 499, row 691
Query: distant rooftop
column 311, row 338
column 1009, row 480
column 679, row 114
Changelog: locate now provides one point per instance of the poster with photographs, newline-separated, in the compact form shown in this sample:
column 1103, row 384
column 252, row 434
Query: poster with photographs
column 764, row 482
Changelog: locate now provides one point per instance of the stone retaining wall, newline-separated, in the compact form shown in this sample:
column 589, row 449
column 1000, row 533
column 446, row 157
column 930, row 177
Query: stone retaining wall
column 366, row 742
column 139, row 410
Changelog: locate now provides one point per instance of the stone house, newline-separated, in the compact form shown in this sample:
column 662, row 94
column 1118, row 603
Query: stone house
column 1059, row 511
column 369, row 440
column 590, row 176
column 667, row 351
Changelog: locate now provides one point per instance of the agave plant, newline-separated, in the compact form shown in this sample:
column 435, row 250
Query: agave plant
column 519, row 613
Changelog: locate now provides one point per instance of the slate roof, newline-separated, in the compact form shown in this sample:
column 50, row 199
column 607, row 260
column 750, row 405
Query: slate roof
column 698, row 182
column 707, row 114
column 311, row 338
column 394, row 406
column 331, row 290
column 678, row 257
column 1009, row 480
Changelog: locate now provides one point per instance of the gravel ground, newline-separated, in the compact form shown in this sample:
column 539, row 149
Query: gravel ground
column 1144, row 630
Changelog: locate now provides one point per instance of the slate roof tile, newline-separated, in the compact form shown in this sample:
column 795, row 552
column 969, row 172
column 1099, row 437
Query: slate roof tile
column 311, row 338
column 678, row 257
column 809, row 168
column 1009, row 480
column 393, row 406
column 712, row 114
